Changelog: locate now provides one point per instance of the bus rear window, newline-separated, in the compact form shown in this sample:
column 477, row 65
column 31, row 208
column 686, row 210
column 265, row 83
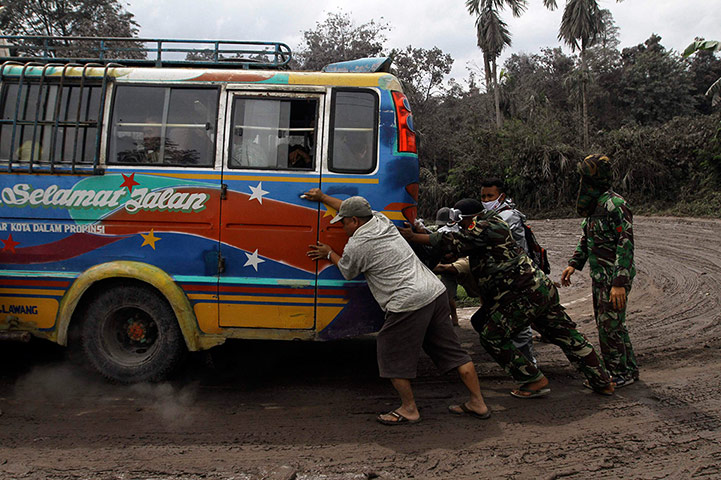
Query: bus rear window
column 354, row 131
column 163, row 126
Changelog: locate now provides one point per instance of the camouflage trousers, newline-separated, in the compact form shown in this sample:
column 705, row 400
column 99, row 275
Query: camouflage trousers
column 498, row 323
column 613, row 335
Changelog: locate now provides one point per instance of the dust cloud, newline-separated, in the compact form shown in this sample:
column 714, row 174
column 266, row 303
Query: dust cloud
column 67, row 385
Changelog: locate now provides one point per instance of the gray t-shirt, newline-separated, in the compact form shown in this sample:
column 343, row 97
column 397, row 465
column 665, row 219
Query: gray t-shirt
column 396, row 277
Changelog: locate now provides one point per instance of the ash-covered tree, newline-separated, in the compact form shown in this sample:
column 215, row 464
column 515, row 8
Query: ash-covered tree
column 62, row 18
column 337, row 39
column 654, row 84
column 422, row 72
column 582, row 26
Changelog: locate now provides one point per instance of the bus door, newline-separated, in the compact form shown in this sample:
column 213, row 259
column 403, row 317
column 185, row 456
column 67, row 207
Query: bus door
column 352, row 168
column 272, row 156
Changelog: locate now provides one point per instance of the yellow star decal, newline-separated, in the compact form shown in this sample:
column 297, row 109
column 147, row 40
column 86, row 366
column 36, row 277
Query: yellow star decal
column 149, row 239
column 329, row 211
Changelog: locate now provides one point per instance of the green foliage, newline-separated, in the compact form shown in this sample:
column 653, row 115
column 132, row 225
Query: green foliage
column 87, row 18
column 669, row 168
column 655, row 87
column 338, row 38
column 421, row 73
column 581, row 24
column 83, row 18
column 463, row 300
column 700, row 45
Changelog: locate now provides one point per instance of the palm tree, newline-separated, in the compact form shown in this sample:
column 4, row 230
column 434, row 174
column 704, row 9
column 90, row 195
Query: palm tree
column 493, row 36
column 581, row 25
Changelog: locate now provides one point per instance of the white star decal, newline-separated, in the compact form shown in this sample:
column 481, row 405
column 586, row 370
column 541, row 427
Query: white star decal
column 258, row 192
column 253, row 260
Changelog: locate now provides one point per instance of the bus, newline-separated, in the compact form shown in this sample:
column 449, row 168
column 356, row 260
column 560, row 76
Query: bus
column 152, row 206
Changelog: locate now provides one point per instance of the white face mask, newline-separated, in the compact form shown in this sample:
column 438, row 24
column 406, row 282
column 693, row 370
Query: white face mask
column 490, row 206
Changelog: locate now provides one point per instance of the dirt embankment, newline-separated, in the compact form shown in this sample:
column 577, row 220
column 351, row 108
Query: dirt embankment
column 310, row 407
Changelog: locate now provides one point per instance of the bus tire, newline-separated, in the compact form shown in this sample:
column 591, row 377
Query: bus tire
column 130, row 334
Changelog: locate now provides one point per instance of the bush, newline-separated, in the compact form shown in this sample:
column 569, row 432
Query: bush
column 674, row 168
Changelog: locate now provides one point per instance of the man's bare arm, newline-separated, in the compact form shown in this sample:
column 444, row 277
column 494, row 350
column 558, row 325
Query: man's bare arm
column 317, row 195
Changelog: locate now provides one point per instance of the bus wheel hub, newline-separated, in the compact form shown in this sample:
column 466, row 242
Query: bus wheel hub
column 136, row 331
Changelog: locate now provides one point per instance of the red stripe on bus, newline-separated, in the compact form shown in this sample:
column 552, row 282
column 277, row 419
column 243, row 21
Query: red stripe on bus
column 280, row 291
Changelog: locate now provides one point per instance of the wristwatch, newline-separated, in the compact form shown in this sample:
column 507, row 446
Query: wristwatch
column 328, row 256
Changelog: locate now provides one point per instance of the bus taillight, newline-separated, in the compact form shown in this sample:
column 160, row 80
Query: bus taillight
column 406, row 133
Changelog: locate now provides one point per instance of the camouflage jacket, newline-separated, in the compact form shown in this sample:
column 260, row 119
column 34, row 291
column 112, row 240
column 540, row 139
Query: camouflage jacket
column 502, row 269
column 607, row 242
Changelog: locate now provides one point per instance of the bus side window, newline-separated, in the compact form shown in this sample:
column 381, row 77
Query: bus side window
column 163, row 126
column 46, row 113
column 274, row 134
column 354, row 131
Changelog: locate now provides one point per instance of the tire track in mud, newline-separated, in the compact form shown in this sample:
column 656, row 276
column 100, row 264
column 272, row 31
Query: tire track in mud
column 674, row 319
column 675, row 302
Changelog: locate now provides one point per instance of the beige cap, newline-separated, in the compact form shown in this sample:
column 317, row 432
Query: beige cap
column 353, row 207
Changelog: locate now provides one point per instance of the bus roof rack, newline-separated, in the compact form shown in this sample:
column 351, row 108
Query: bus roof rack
column 147, row 52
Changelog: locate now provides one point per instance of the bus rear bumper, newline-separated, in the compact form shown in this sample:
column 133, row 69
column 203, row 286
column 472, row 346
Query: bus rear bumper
column 15, row 337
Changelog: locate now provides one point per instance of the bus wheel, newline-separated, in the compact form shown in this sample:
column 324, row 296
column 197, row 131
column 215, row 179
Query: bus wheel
column 130, row 334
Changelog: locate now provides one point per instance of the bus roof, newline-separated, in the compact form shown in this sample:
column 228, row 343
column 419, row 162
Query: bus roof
column 175, row 60
column 384, row 81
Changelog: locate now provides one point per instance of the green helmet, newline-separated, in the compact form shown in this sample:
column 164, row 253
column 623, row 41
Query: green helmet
column 596, row 170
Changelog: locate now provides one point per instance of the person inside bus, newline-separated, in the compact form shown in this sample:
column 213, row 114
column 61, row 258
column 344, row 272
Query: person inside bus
column 351, row 150
column 413, row 299
column 299, row 157
column 151, row 141
column 141, row 147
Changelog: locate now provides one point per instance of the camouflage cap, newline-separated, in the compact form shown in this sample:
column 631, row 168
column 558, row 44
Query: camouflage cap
column 596, row 169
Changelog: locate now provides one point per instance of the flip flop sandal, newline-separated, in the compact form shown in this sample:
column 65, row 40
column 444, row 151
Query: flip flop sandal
column 541, row 392
column 607, row 391
column 399, row 419
column 467, row 411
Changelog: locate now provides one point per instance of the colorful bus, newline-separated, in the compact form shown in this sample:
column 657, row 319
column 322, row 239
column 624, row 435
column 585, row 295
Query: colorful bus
column 150, row 207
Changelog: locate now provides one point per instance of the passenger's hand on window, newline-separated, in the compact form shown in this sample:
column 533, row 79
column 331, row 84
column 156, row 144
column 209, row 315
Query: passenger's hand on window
column 299, row 158
column 314, row 195
column 566, row 276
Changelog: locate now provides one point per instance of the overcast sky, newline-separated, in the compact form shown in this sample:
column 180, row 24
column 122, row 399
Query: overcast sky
column 420, row 23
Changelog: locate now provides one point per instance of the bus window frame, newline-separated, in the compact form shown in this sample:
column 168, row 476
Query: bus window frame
column 39, row 167
column 110, row 110
column 241, row 92
column 376, row 129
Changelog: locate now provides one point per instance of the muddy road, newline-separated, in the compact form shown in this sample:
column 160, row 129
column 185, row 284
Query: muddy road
column 257, row 410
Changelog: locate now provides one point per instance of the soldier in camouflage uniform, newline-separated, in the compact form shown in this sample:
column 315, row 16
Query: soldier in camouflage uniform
column 607, row 245
column 515, row 294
